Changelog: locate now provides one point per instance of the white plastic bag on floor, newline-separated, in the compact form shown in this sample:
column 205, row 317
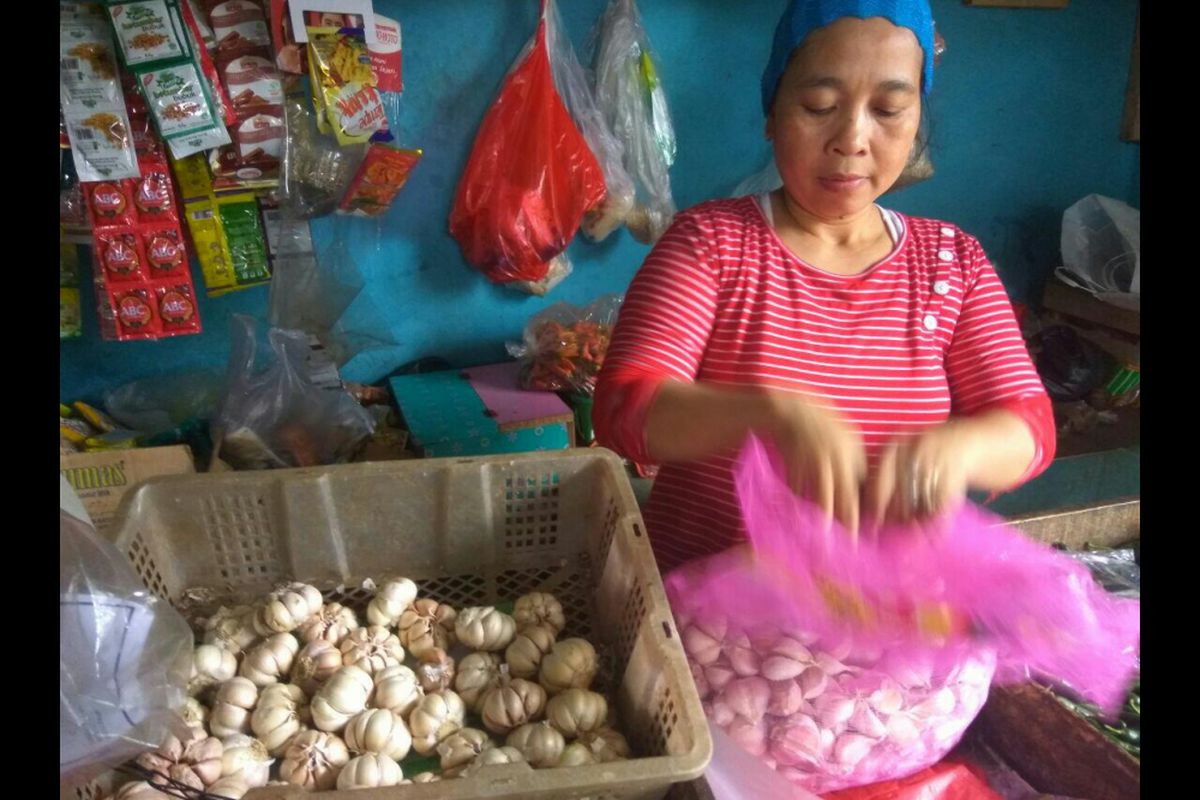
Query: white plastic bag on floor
column 734, row 774
column 1102, row 251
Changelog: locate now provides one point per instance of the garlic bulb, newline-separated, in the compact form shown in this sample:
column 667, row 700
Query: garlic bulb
column 787, row 660
column 796, row 742
column 750, row 736
column 372, row 649
column 282, row 712
column 369, row 771
column 229, row 788
column 494, row 756
column 271, row 661
column 343, row 695
column 140, row 790
column 397, row 689
column 314, row 664
column 287, row 609
column 512, row 704
column 570, row 664
column 477, row 673
column 718, row 674
column 787, row 698
column 436, row 716
column 524, row 656
column 332, row 624
column 194, row 714
column 246, row 759
column 813, row 682
column 231, row 629
column 539, row 608
column 194, row 761
column 748, row 697
column 485, row 628
column 425, row 625
column 577, row 711
column 851, row 748
column 313, row 760
column 378, row 730
column 540, row 743
column 435, row 670
column 703, row 642
column 606, row 744
column 576, row 754
column 210, row 666
column 235, row 699
column 459, row 749
column 396, row 595
column 742, row 656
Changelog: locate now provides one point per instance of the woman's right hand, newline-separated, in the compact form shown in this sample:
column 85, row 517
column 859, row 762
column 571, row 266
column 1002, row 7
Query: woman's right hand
column 824, row 457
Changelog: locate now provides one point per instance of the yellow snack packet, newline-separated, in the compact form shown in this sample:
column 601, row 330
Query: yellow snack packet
column 341, row 66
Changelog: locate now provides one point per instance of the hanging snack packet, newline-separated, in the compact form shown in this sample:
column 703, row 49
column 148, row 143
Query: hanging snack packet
column 341, row 68
column 149, row 32
column 93, row 107
column 378, row 180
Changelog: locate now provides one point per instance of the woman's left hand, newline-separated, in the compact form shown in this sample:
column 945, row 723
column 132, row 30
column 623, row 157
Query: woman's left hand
column 921, row 477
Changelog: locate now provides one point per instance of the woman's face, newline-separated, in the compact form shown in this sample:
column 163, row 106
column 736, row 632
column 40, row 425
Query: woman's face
column 846, row 115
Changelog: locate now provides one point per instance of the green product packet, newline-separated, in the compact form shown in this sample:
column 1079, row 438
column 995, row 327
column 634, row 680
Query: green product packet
column 149, row 32
column 246, row 245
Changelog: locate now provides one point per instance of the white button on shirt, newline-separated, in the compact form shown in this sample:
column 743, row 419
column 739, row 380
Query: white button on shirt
column 930, row 322
column 945, row 255
column 947, row 231
column 941, row 287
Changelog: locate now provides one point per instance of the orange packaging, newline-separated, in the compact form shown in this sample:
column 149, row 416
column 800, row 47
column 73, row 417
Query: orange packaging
column 378, row 180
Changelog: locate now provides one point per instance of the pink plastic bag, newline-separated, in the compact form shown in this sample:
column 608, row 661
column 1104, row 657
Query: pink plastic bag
column 841, row 665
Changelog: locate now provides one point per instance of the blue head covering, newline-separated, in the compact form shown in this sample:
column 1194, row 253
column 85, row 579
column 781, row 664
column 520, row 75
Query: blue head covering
column 805, row 16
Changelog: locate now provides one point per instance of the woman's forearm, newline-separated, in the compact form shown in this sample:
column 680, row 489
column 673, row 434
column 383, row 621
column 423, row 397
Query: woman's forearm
column 1000, row 449
column 690, row 421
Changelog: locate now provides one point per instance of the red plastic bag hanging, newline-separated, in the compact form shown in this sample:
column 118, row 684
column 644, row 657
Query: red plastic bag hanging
column 947, row 780
column 530, row 177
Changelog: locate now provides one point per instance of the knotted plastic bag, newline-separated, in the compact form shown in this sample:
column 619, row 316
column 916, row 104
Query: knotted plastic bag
column 530, row 176
column 564, row 346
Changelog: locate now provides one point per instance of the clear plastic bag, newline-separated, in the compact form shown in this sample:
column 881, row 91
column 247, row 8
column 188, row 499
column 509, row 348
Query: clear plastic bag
column 1116, row 570
column 564, row 346
column 848, row 663
column 124, row 655
column 573, row 87
column 157, row 404
column 631, row 97
column 530, row 177
column 277, row 416
column 1101, row 250
column 315, row 171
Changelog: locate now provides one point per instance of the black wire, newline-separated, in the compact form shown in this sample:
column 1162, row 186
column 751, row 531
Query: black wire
column 168, row 785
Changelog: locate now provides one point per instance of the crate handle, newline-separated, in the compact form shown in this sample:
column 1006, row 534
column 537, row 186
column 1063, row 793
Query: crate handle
column 667, row 629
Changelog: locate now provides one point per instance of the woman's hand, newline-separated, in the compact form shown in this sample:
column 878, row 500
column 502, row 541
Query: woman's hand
column 921, row 477
column 824, row 458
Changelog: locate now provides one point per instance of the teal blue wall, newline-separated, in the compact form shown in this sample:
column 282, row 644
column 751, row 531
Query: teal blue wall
column 1026, row 108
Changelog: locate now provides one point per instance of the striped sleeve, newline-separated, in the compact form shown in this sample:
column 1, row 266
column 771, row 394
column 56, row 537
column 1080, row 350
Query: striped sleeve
column 663, row 330
column 988, row 365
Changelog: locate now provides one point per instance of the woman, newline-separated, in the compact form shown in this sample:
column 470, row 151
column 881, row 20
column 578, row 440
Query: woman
column 878, row 352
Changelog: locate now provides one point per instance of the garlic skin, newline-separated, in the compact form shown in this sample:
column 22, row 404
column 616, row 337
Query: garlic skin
column 477, row 674
column 246, row 759
column 494, row 756
column 235, row 700
column 194, row 760
column 512, row 704
column 393, row 598
column 314, row 664
column 540, row 743
column 282, row 712
column 524, row 656
column 539, row 608
column 570, row 664
column 232, row 788
column 787, row 698
column 313, row 761
column 369, row 771
column 343, row 696
column 748, row 697
column 436, row 716
column 485, row 628
column 424, row 777
column 232, row 629
column 435, row 670
column 210, row 666
column 718, row 674
column 851, row 748
column 577, row 711
column 270, row 661
column 288, row 608
column 332, row 623
column 576, row 754
column 813, row 682
column 459, row 749
column 750, row 736
column 606, row 744
column 796, row 743
column 397, row 689
column 742, row 656
column 425, row 625
column 378, row 730
column 194, row 714
column 372, row 649
column 702, row 641
column 140, row 790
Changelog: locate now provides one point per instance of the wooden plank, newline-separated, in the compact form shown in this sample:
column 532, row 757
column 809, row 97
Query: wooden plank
column 1108, row 525
column 1077, row 303
column 1131, row 122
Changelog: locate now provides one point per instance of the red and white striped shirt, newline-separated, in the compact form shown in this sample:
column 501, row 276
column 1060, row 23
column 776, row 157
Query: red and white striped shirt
column 925, row 333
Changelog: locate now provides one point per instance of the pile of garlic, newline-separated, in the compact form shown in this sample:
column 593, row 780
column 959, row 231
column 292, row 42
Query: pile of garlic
column 830, row 716
column 300, row 691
